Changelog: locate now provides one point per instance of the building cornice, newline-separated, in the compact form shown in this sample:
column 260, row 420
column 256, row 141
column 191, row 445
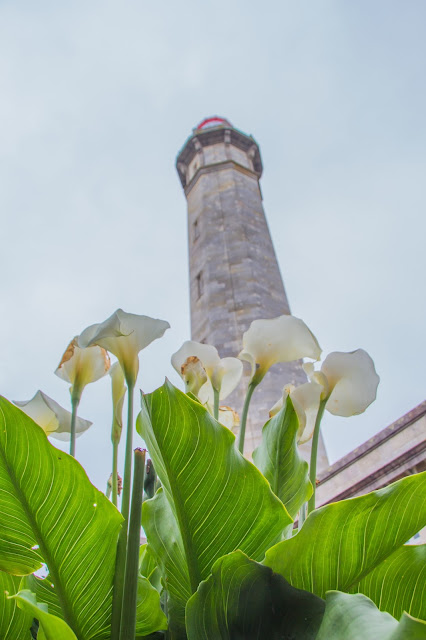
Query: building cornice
column 218, row 166
column 224, row 134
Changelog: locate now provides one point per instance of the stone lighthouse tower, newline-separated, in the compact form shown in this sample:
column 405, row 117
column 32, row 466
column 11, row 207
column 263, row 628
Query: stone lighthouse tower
column 233, row 271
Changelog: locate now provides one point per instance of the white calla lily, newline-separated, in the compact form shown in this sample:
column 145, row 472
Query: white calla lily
column 51, row 417
column 226, row 376
column 193, row 374
column 80, row 366
column 229, row 418
column 206, row 353
column 124, row 335
column 281, row 339
column 352, row 382
column 223, row 374
column 306, row 401
column 348, row 383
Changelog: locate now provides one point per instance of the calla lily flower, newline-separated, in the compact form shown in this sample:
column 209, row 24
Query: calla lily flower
column 281, row 339
column 80, row 366
column 51, row 417
column 306, row 402
column 223, row 374
column 193, row 374
column 229, row 418
column 118, row 393
column 348, row 380
column 124, row 335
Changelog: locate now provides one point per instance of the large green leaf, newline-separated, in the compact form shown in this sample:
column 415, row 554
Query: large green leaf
column 55, row 515
column 14, row 623
column 278, row 458
column 398, row 584
column 51, row 627
column 355, row 617
column 244, row 600
column 341, row 543
column 166, row 542
column 214, row 500
column 149, row 616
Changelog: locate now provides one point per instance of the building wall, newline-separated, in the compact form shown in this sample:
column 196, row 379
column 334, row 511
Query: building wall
column 395, row 452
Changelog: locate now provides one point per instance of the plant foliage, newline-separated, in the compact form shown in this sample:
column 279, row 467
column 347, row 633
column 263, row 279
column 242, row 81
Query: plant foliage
column 220, row 562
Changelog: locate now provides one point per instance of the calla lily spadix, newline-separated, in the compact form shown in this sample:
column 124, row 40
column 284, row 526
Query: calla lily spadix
column 348, row 380
column 124, row 335
column 223, row 374
column 51, row 417
column 281, row 339
column 306, row 401
column 80, row 366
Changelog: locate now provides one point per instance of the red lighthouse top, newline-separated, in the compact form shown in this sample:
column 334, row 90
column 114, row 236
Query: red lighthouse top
column 213, row 121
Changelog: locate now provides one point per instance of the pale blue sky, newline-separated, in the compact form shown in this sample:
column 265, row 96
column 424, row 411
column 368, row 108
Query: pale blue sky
column 96, row 100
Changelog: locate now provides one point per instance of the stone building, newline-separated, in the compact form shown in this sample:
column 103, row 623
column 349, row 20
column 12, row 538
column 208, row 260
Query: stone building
column 233, row 271
column 235, row 278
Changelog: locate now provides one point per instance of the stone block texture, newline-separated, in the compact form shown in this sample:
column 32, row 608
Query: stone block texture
column 233, row 271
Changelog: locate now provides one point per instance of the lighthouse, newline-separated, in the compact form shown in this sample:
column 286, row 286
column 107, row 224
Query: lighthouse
column 234, row 275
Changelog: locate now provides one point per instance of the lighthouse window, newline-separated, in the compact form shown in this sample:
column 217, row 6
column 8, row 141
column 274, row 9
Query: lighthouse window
column 196, row 231
column 200, row 284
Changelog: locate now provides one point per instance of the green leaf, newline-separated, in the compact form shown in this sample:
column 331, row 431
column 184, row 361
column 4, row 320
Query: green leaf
column 51, row 505
column 409, row 628
column 14, row 623
column 398, row 584
column 51, row 627
column 244, row 600
column 44, row 591
column 214, row 500
column 148, row 566
column 341, row 543
column 166, row 542
column 355, row 617
column 149, row 616
column 277, row 457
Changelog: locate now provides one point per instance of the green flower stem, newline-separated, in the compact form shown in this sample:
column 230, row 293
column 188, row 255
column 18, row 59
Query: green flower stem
column 166, row 612
column 120, row 561
column 120, row 567
column 216, row 404
column 314, row 453
column 125, row 499
column 128, row 616
column 252, row 386
column 75, row 401
column 114, row 479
